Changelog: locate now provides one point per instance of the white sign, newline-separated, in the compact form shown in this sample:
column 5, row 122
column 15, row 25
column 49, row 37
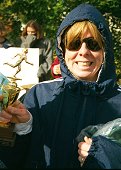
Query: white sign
column 22, row 66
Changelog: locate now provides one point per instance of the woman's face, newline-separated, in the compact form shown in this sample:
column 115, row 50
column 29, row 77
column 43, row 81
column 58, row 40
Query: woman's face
column 31, row 31
column 84, row 64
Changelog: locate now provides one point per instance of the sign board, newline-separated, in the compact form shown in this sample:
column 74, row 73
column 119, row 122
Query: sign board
column 10, row 64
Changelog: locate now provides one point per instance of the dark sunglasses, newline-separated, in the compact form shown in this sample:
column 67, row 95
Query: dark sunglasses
column 90, row 43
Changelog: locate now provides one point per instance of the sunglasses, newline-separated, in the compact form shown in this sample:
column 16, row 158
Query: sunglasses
column 90, row 43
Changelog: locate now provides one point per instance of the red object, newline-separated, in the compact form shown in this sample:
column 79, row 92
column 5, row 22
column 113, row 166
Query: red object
column 55, row 62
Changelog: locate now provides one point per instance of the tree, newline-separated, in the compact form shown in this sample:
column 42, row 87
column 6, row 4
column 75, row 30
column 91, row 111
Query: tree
column 50, row 13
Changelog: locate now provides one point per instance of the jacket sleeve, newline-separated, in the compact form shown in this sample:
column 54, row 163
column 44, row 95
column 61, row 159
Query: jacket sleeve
column 28, row 41
column 104, row 153
column 45, row 66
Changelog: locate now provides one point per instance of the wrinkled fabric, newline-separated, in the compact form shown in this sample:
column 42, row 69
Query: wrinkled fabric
column 2, row 165
column 106, row 145
column 110, row 130
column 106, row 152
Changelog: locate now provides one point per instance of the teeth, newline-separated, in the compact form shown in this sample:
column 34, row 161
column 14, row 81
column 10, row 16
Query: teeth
column 84, row 63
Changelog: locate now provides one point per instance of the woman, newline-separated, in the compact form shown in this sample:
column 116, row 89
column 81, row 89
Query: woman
column 86, row 95
column 32, row 37
column 4, row 43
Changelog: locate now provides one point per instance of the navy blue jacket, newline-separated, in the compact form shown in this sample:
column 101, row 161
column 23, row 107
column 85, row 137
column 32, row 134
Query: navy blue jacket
column 61, row 108
column 6, row 44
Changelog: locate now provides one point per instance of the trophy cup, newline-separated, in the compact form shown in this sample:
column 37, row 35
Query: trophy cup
column 8, row 94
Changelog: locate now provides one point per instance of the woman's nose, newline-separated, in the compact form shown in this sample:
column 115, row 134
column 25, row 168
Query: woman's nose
column 83, row 49
column 29, row 32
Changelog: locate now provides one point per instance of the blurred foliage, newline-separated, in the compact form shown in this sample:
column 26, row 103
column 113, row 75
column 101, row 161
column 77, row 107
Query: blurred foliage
column 50, row 13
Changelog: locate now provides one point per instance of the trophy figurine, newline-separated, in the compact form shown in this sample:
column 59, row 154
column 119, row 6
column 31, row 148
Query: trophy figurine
column 9, row 92
column 22, row 57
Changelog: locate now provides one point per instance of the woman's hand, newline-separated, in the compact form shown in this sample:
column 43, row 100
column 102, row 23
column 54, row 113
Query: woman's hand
column 56, row 69
column 83, row 148
column 16, row 113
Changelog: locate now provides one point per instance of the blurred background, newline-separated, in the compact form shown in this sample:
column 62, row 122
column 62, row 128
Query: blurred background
column 50, row 13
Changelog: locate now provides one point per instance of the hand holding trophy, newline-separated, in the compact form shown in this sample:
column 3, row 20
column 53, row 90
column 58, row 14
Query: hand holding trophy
column 11, row 110
column 8, row 94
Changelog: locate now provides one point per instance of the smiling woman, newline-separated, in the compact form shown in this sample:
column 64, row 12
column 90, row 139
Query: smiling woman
column 86, row 94
column 84, row 50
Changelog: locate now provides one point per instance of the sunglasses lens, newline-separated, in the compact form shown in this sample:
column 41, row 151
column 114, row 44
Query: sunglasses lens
column 74, row 45
column 92, row 44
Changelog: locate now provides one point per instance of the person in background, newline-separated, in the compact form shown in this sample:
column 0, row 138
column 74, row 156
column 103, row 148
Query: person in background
column 32, row 37
column 4, row 43
column 55, row 68
column 54, row 112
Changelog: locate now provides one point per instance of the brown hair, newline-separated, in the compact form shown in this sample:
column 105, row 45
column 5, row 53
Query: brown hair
column 78, row 29
column 36, row 26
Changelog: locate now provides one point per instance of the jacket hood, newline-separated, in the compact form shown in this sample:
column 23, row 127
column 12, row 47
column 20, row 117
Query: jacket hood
column 88, row 12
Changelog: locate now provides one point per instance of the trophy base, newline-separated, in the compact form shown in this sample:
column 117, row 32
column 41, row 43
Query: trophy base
column 7, row 136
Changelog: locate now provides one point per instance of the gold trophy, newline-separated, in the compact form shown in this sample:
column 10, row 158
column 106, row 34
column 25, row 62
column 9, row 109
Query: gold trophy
column 9, row 92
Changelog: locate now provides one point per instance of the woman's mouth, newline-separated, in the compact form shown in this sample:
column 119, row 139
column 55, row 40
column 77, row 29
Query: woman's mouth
column 84, row 63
